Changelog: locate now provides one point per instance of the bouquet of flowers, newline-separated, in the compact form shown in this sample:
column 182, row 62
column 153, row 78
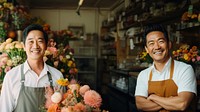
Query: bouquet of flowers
column 61, row 58
column 76, row 99
column 187, row 54
column 12, row 54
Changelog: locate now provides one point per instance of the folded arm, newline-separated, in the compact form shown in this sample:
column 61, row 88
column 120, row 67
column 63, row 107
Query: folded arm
column 180, row 102
column 145, row 104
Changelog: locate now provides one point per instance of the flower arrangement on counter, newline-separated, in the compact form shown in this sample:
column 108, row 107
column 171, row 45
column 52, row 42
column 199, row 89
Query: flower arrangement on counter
column 76, row 99
column 59, row 54
column 187, row 54
column 61, row 58
column 12, row 54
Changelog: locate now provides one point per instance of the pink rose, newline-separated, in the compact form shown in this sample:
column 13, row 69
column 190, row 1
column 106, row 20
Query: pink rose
column 84, row 89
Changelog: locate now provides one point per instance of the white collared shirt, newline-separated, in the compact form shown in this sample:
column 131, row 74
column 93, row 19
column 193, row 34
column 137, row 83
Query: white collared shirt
column 183, row 77
column 12, row 84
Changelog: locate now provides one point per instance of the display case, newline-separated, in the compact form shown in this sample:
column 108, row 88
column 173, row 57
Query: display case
column 122, row 89
column 87, row 70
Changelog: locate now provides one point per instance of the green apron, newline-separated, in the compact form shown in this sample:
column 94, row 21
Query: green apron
column 31, row 98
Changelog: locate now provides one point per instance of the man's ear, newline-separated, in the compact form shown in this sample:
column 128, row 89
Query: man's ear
column 170, row 44
column 146, row 49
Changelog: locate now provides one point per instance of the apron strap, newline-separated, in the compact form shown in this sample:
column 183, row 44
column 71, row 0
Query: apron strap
column 150, row 77
column 22, row 75
column 171, row 70
column 50, row 79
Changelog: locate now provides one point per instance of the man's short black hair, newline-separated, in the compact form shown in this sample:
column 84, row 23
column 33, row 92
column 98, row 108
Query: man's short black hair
column 34, row 27
column 155, row 27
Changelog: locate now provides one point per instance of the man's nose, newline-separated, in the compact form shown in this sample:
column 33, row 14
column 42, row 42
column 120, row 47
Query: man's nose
column 157, row 45
column 35, row 45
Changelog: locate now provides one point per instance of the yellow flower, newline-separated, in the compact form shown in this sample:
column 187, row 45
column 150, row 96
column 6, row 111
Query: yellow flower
column 62, row 82
column 9, row 62
column 2, row 46
column 64, row 60
column 144, row 54
column 47, row 53
column 62, row 70
column 9, row 40
column 186, row 57
column 8, row 46
column 18, row 46
column 70, row 63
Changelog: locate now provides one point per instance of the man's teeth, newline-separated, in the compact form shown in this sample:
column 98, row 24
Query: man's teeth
column 158, row 52
column 35, row 51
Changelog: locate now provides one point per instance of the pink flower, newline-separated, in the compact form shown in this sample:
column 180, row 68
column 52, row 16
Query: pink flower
column 74, row 87
column 84, row 89
column 72, row 71
column 193, row 59
column 53, row 50
column 7, row 69
column 73, row 81
column 198, row 58
column 64, row 109
column 92, row 98
column 67, row 109
column 61, row 57
column 56, row 63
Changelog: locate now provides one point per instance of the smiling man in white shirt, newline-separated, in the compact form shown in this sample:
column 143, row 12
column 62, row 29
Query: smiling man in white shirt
column 24, row 86
column 168, row 85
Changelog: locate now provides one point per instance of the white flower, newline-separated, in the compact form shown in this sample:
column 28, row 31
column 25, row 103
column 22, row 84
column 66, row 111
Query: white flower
column 70, row 53
column 56, row 97
column 68, row 56
column 9, row 62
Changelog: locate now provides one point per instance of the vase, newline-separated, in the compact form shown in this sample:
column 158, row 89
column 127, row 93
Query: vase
column 19, row 35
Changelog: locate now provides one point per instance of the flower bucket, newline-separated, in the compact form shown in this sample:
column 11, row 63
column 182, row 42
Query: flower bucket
column 19, row 35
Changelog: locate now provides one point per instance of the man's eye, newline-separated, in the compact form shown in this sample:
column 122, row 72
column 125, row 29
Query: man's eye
column 40, row 41
column 161, row 41
column 30, row 42
column 150, row 43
